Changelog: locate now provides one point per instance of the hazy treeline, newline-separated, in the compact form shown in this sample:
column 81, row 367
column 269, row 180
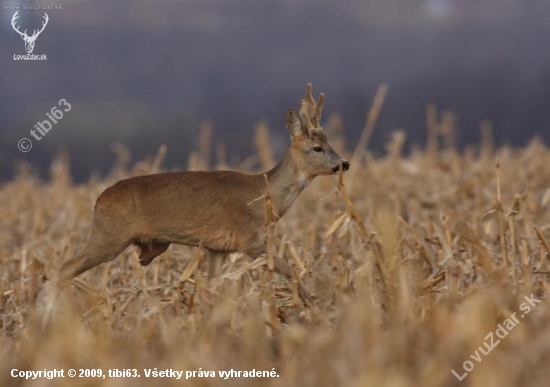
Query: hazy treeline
column 144, row 73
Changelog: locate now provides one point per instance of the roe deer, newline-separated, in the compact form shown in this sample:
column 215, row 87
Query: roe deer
column 217, row 210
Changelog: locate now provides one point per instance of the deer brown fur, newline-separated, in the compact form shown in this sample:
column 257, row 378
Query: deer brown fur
column 221, row 211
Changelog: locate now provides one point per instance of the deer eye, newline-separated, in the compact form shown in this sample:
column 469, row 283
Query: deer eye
column 318, row 149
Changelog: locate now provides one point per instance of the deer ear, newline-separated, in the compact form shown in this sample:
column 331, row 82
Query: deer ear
column 293, row 123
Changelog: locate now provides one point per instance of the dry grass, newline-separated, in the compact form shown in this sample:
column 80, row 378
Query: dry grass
column 410, row 264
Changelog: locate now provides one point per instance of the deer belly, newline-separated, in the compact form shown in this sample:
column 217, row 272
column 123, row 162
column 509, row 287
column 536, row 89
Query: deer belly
column 223, row 240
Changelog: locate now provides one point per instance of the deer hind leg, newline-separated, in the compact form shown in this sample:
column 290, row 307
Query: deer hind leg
column 100, row 248
column 150, row 250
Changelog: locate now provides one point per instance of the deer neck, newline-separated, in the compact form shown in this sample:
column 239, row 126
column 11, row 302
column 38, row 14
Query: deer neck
column 286, row 182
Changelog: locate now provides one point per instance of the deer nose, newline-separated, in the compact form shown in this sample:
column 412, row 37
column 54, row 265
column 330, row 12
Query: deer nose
column 345, row 165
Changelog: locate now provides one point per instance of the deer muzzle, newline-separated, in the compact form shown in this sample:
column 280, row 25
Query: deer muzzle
column 345, row 166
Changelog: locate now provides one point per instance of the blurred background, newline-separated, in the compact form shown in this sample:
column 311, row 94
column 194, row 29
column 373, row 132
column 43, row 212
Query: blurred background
column 144, row 73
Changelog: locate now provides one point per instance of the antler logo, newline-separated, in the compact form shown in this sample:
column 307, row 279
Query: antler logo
column 29, row 40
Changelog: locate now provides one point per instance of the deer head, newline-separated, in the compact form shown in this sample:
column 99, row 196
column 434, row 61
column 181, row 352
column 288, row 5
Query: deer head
column 29, row 40
column 311, row 149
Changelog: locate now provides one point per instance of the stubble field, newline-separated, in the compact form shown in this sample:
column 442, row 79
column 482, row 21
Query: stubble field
column 411, row 265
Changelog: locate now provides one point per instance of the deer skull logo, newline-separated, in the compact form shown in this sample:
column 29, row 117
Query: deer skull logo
column 29, row 40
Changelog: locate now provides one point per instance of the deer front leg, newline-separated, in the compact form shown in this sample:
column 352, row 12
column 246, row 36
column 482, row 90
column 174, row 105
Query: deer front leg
column 214, row 263
column 281, row 267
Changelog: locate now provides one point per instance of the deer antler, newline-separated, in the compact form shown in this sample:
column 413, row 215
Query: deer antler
column 24, row 34
column 310, row 111
column 44, row 23
column 13, row 19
